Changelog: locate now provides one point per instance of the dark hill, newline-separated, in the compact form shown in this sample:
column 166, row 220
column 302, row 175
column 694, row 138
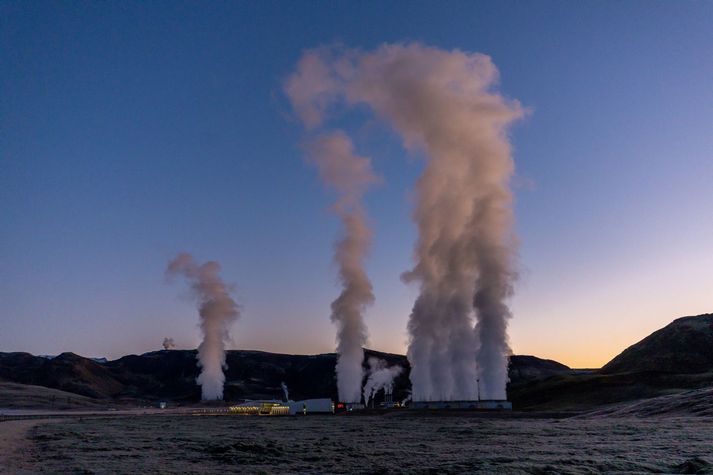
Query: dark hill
column 527, row 368
column 683, row 346
column 66, row 372
column 76, row 374
column 590, row 390
column 696, row 403
column 28, row 396
column 678, row 357
column 20, row 367
column 250, row 375
column 171, row 374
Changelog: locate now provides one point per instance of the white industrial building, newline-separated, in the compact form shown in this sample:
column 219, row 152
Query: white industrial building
column 274, row 407
column 483, row 404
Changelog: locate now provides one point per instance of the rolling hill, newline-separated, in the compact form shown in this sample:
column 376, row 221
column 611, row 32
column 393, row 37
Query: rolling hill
column 683, row 346
column 171, row 375
column 677, row 358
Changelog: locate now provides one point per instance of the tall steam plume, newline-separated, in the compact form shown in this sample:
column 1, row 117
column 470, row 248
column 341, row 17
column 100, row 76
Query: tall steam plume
column 217, row 312
column 442, row 103
column 349, row 175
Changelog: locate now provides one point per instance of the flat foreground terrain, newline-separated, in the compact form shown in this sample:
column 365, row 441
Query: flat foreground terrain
column 393, row 443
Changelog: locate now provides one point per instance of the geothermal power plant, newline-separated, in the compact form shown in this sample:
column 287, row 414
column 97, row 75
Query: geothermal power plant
column 442, row 105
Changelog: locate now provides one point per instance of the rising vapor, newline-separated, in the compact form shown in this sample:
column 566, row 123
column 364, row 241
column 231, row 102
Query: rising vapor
column 168, row 344
column 442, row 103
column 349, row 175
column 217, row 312
column 380, row 377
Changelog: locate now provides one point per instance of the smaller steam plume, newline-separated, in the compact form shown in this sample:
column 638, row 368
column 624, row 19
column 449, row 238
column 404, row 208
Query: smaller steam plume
column 406, row 399
column 381, row 376
column 349, row 175
column 217, row 312
column 168, row 344
column 285, row 391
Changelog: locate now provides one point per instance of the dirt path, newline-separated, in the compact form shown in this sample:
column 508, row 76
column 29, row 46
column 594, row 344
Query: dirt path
column 14, row 445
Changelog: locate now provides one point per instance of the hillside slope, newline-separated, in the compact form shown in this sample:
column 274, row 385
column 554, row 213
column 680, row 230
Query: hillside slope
column 525, row 368
column 66, row 372
column 171, row 375
column 28, row 396
column 696, row 403
column 683, row 346
column 676, row 358
column 590, row 390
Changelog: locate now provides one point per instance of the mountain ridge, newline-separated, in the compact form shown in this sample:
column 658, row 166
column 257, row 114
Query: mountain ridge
column 683, row 346
column 674, row 358
column 253, row 374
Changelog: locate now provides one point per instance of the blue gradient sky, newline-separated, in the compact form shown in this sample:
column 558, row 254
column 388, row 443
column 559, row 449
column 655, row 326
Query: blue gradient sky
column 130, row 131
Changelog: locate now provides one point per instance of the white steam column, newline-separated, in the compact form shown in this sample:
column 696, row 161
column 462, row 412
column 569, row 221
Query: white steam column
column 443, row 104
column 349, row 175
column 217, row 312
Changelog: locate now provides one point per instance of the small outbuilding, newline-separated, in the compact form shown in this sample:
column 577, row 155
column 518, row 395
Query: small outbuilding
column 482, row 405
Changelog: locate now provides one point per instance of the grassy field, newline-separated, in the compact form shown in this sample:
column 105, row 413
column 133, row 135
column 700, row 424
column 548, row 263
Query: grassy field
column 25, row 396
column 397, row 443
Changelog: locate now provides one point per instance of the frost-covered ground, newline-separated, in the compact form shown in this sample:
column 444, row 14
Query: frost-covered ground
column 697, row 402
column 395, row 443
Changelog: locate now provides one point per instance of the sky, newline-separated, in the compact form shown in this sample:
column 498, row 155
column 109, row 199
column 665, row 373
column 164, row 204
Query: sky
column 131, row 131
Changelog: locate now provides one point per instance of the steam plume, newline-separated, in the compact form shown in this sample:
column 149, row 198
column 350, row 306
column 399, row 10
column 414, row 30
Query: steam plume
column 217, row 312
column 380, row 377
column 285, row 392
column 442, row 103
column 168, row 344
column 349, row 175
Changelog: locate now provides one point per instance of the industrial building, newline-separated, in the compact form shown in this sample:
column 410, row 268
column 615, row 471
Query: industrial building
column 273, row 407
column 483, row 404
